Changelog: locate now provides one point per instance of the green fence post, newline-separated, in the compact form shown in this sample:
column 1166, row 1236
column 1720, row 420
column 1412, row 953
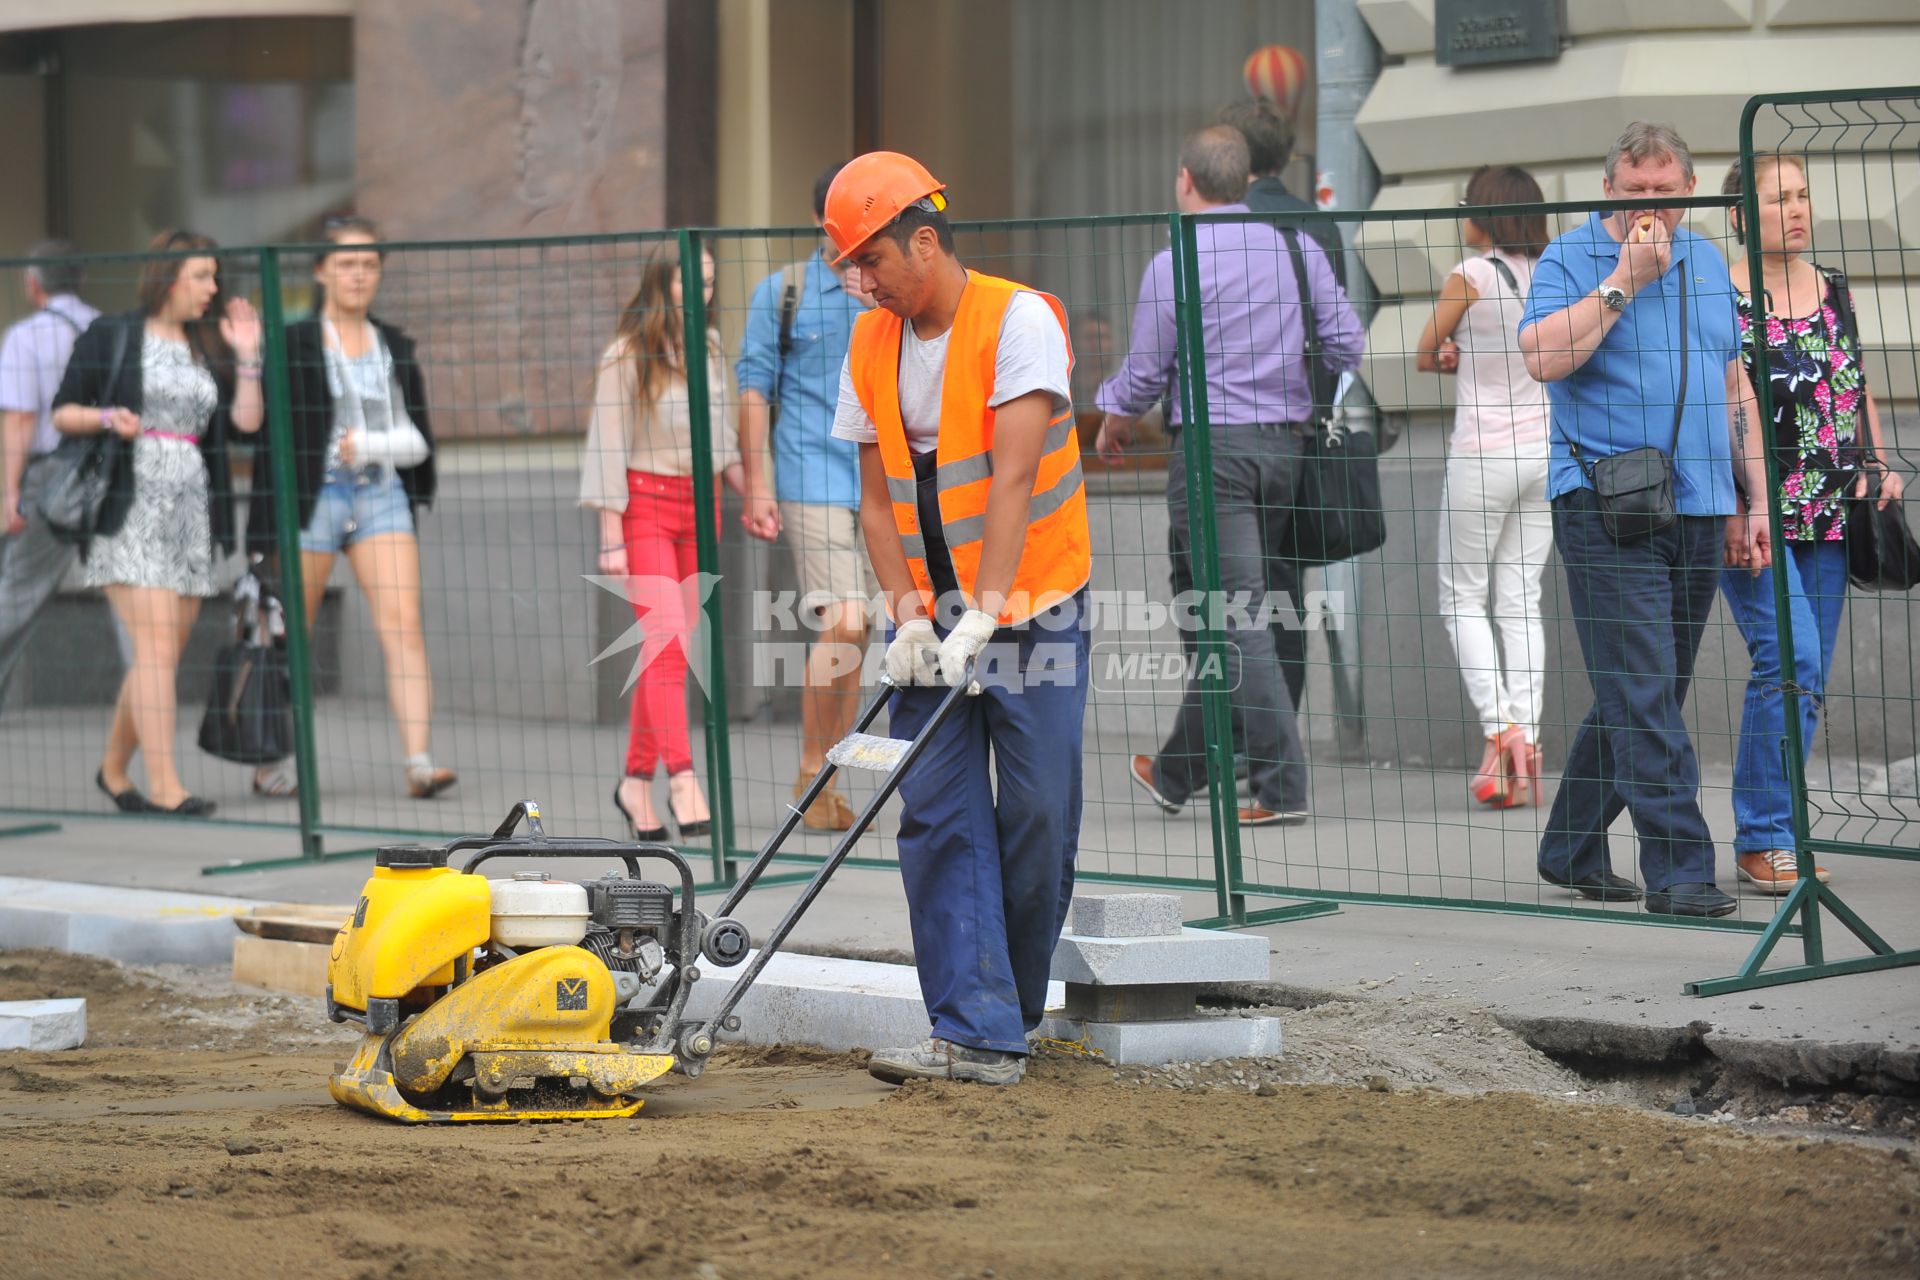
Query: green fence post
column 293, row 598
column 1210, row 651
column 706, row 500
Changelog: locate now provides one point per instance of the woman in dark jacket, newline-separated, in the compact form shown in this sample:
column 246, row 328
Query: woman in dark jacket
column 363, row 464
column 166, row 381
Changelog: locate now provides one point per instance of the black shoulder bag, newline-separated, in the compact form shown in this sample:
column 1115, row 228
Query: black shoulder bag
column 1635, row 488
column 1337, row 509
column 1881, row 552
column 249, row 715
column 79, row 471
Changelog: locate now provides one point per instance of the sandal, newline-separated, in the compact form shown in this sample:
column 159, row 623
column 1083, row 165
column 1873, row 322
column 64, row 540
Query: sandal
column 275, row 782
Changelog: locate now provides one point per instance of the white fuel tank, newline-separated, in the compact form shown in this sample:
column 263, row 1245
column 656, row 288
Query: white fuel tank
column 532, row 910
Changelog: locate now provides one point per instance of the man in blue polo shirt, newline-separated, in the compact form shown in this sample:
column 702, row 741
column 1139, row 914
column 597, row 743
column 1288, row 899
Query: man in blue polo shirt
column 1631, row 323
column 798, row 330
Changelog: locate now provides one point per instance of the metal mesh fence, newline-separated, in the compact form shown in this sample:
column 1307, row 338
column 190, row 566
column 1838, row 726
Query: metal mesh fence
column 631, row 494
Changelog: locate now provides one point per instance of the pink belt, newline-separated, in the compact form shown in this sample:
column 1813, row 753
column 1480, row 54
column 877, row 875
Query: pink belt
column 173, row 435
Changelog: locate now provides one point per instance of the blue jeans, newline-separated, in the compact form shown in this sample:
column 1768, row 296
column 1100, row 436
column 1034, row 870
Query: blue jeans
column 1641, row 612
column 354, row 504
column 989, row 879
column 1817, row 596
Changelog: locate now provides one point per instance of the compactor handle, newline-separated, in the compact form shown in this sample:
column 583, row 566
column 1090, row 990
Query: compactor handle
column 528, row 809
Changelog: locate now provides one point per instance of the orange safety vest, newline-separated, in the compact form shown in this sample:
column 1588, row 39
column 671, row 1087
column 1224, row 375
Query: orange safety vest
column 1057, row 559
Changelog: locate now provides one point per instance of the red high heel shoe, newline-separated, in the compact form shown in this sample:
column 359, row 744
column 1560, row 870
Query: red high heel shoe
column 1521, row 761
column 1491, row 784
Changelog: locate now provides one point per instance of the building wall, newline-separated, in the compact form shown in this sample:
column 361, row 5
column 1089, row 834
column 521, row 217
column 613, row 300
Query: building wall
column 1689, row 63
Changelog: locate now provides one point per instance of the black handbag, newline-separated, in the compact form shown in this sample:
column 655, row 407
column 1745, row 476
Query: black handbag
column 1635, row 488
column 249, row 716
column 79, row 471
column 1881, row 552
column 1338, row 512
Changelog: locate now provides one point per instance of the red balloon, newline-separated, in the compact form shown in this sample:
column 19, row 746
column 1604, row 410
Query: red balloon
column 1277, row 73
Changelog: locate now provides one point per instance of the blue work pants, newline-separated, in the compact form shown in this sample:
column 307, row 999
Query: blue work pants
column 989, row 826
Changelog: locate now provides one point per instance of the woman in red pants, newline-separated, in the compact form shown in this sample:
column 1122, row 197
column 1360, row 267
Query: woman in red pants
column 637, row 473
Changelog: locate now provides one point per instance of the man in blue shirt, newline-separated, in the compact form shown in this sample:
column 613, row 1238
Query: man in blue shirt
column 798, row 329
column 1631, row 323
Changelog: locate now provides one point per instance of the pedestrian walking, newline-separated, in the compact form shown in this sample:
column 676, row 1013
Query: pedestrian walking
column 799, row 325
column 1260, row 410
column 169, row 379
column 363, row 469
column 1496, row 529
column 637, row 476
column 33, row 357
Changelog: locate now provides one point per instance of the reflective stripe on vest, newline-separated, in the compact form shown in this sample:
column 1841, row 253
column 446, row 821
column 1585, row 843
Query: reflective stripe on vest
column 1057, row 559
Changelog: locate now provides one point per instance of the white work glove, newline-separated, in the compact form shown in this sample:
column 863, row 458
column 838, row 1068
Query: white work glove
column 963, row 644
column 914, row 656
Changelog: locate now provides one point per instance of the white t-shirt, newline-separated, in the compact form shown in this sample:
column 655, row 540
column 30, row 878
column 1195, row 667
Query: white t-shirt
column 1498, row 407
column 1032, row 357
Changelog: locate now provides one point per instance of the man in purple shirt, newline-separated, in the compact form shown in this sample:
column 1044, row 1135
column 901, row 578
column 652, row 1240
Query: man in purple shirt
column 33, row 355
column 1259, row 408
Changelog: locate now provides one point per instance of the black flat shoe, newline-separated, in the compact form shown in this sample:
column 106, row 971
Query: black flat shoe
column 652, row 835
column 191, row 807
column 128, row 801
column 1691, row 900
column 1603, row 886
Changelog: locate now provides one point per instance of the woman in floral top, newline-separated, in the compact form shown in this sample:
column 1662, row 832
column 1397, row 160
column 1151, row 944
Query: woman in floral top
column 1826, row 436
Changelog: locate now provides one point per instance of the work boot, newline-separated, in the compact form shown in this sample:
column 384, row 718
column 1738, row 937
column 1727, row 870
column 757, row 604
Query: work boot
column 938, row 1059
column 829, row 810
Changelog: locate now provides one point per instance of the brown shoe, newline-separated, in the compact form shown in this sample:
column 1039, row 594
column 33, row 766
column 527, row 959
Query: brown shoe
column 829, row 810
column 1258, row 817
column 1773, row 870
column 425, row 784
column 1142, row 774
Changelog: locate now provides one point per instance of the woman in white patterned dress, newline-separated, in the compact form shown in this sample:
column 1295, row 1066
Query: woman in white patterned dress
column 167, row 380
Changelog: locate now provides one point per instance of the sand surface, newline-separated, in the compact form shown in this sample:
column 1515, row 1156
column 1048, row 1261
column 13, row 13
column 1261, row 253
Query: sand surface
column 194, row 1137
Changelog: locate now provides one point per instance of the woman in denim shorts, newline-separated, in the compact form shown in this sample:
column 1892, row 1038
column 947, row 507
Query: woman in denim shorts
column 363, row 463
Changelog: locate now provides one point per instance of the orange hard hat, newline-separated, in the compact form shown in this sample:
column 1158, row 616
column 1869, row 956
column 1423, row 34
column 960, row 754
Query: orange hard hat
column 872, row 190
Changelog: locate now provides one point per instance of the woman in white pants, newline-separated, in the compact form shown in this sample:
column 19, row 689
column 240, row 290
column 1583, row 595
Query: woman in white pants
column 1495, row 526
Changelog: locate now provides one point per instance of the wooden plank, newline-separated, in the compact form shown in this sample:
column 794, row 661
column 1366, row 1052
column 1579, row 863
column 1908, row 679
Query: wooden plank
column 295, row 922
column 299, row 968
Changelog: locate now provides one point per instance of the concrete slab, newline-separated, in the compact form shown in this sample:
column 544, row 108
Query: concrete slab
column 1185, row 1040
column 1126, row 915
column 43, row 1025
column 138, row 926
column 1192, row 955
column 824, row 1002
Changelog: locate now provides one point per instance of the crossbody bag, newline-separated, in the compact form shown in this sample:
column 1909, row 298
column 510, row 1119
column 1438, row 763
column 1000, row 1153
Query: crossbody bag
column 1635, row 488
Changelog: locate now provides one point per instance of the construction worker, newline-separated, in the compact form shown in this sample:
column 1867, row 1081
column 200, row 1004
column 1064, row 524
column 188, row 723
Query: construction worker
column 975, row 517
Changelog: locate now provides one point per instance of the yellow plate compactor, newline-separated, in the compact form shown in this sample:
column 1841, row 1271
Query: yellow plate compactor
column 538, row 998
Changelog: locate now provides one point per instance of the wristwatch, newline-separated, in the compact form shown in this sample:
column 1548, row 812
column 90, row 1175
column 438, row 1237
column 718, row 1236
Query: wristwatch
column 1613, row 297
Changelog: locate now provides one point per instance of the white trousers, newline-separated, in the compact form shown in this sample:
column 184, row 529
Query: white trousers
column 1496, row 532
